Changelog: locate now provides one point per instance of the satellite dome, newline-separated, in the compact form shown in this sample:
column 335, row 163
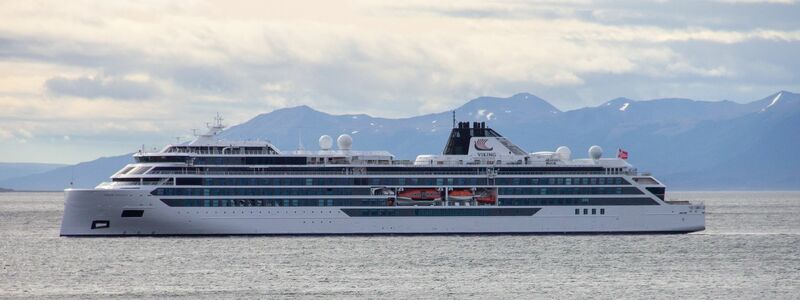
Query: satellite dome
column 344, row 142
column 563, row 152
column 595, row 152
column 325, row 142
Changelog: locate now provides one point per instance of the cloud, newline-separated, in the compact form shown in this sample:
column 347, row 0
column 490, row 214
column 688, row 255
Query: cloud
column 69, row 71
column 6, row 134
column 759, row 1
column 101, row 87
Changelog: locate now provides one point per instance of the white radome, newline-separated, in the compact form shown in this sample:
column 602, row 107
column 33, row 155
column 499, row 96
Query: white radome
column 325, row 142
column 564, row 153
column 595, row 152
column 345, row 142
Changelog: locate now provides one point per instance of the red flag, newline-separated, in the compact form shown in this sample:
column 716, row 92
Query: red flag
column 622, row 154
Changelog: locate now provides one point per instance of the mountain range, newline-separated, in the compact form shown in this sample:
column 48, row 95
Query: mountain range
column 11, row 170
column 688, row 144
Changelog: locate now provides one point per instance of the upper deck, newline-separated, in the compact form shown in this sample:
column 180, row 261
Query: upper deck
column 467, row 147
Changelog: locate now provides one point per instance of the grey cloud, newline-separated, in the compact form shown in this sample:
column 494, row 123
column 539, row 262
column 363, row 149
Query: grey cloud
column 667, row 14
column 204, row 78
column 682, row 14
column 380, row 84
column 100, row 87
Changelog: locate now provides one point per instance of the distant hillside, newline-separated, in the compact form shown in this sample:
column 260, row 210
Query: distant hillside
column 11, row 170
column 82, row 175
column 688, row 144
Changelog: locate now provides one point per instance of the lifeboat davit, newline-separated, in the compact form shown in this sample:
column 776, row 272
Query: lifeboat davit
column 460, row 195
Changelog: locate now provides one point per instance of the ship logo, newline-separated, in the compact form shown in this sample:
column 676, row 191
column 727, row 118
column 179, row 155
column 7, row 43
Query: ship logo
column 480, row 145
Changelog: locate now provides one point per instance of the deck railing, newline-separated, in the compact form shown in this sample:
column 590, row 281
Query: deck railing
column 483, row 173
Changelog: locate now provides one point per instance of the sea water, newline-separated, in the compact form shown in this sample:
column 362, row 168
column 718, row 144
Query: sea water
column 750, row 249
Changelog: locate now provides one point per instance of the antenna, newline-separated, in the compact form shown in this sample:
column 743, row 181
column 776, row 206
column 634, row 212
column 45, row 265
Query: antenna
column 194, row 131
column 72, row 179
column 218, row 120
column 300, row 140
column 177, row 140
column 454, row 119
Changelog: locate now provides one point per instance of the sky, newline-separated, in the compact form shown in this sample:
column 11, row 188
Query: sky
column 84, row 79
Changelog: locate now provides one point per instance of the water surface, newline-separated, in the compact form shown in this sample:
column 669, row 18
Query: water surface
column 750, row 249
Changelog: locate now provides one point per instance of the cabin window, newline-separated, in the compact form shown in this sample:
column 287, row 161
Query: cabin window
column 132, row 213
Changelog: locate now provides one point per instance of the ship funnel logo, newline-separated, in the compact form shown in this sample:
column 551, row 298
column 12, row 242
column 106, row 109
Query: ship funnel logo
column 480, row 145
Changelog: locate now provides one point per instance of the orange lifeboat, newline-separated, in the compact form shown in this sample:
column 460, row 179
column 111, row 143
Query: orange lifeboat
column 460, row 195
column 487, row 197
column 420, row 194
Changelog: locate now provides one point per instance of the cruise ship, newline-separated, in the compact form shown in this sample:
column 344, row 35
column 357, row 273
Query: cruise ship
column 481, row 183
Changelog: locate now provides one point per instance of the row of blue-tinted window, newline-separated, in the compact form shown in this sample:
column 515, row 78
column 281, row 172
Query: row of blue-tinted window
column 438, row 212
column 574, row 201
column 570, row 191
column 402, row 181
column 157, row 159
column 250, row 160
column 272, row 202
column 259, row 191
column 334, row 181
column 563, row 181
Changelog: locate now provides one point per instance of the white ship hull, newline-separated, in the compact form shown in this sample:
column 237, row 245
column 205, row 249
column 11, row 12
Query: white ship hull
column 102, row 209
column 481, row 184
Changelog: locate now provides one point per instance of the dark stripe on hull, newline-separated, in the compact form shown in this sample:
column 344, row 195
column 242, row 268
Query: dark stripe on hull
column 440, row 212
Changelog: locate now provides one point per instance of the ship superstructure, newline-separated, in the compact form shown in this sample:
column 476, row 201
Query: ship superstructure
column 481, row 183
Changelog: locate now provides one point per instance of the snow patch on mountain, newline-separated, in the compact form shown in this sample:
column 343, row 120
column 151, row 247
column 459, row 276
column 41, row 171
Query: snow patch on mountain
column 774, row 101
column 485, row 113
column 624, row 106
